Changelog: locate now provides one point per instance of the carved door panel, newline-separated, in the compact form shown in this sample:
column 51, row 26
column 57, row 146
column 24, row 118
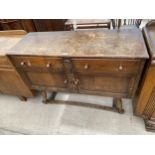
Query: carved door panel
column 46, row 80
column 105, row 85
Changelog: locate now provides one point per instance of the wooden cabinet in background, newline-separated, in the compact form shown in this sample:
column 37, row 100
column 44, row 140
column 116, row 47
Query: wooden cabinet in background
column 33, row 25
column 12, row 84
column 10, row 81
column 145, row 101
column 17, row 24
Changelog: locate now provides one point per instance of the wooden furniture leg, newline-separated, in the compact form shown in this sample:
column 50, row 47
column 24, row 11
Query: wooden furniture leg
column 150, row 124
column 118, row 105
column 53, row 95
column 22, row 98
column 44, row 95
column 45, row 98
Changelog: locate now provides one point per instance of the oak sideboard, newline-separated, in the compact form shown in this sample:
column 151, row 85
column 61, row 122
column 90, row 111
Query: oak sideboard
column 95, row 62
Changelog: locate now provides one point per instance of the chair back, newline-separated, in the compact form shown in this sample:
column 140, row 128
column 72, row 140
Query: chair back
column 117, row 23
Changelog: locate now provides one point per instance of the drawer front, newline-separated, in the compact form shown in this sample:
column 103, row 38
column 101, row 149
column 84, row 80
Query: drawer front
column 106, row 85
column 45, row 63
column 4, row 62
column 106, row 66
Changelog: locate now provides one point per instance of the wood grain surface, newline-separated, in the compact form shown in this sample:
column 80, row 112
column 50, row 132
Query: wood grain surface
column 126, row 43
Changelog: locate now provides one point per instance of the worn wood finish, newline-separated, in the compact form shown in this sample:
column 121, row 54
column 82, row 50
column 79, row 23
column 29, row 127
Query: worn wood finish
column 90, row 62
column 126, row 43
column 10, row 80
column 145, row 101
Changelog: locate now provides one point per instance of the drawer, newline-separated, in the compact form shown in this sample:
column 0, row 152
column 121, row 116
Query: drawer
column 4, row 62
column 106, row 66
column 45, row 63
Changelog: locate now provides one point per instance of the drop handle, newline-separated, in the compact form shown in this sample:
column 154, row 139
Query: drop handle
column 86, row 66
column 65, row 81
column 76, row 81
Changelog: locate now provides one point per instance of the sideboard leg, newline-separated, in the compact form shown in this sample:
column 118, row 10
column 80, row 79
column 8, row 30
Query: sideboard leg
column 118, row 105
column 53, row 95
column 44, row 95
column 150, row 124
column 22, row 98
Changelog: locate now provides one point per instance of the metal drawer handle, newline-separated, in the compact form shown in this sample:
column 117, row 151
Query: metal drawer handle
column 86, row 66
column 65, row 81
column 48, row 65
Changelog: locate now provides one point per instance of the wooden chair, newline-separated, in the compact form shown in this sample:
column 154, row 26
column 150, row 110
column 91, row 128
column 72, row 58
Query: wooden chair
column 75, row 24
column 117, row 23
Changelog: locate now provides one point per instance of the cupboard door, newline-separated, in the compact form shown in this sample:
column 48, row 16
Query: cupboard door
column 116, row 86
column 11, row 83
column 46, row 80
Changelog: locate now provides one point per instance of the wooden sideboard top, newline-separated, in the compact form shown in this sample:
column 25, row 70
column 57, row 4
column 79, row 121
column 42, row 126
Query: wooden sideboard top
column 125, row 43
column 149, row 33
column 8, row 39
